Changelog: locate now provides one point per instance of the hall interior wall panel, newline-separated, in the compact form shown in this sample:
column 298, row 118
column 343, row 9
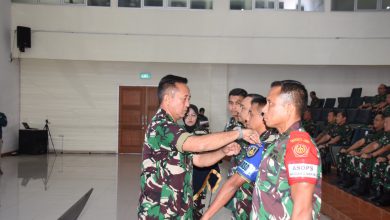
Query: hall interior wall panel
column 204, row 36
column 81, row 98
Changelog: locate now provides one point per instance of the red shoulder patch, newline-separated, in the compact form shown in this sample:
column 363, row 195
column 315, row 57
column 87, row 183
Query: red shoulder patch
column 300, row 143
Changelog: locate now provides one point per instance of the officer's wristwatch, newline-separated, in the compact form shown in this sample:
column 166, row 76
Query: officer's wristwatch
column 239, row 129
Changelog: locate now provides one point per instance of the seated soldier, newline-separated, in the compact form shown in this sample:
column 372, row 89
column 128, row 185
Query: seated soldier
column 385, row 109
column 381, row 180
column 367, row 156
column 331, row 125
column 341, row 136
column 384, row 198
column 308, row 123
column 343, row 157
column 315, row 101
column 379, row 99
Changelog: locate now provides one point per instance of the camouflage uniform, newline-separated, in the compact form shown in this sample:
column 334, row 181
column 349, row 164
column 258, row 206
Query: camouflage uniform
column 378, row 99
column 166, row 173
column 330, row 128
column 386, row 111
column 315, row 103
column 379, row 175
column 364, row 167
column 346, row 162
column 310, row 127
column 292, row 158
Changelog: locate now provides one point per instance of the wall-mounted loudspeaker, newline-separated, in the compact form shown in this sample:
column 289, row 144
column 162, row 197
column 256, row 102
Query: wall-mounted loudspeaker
column 23, row 37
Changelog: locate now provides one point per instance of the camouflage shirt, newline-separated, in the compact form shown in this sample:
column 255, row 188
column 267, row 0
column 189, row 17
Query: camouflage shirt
column 386, row 111
column 329, row 128
column 310, row 127
column 384, row 140
column 378, row 99
column 374, row 136
column 166, row 173
column 291, row 159
column 345, row 133
column 237, row 159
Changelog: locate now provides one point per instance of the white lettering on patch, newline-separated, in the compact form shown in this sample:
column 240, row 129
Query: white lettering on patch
column 302, row 170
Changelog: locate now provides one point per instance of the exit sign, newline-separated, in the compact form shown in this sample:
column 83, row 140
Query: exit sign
column 145, row 75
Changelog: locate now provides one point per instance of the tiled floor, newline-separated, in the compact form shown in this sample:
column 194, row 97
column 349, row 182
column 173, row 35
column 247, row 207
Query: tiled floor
column 45, row 187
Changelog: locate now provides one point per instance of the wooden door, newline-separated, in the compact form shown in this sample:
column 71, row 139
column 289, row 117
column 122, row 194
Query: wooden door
column 136, row 107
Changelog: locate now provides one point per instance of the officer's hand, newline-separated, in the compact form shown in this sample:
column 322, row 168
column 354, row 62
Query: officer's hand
column 250, row 136
column 353, row 153
column 366, row 156
column 343, row 150
column 231, row 149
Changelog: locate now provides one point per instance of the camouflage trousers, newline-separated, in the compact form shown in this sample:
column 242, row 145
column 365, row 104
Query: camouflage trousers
column 386, row 180
column 351, row 163
column 364, row 169
column 378, row 175
column 341, row 162
column 241, row 203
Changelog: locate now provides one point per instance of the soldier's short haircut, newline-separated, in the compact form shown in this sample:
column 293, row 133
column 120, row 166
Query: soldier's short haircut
column 167, row 82
column 343, row 113
column 296, row 90
column 201, row 109
column 312, row 92
column 334, row 112
column 258, row 99
column 238, row 92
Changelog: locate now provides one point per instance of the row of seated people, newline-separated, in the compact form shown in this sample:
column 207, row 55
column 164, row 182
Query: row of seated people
column 356, row 163
column 376, row 103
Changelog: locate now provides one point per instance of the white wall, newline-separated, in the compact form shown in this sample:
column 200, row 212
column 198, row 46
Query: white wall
column 81, row 98
column 327, row 81
column 9, row 81
column 212, row 36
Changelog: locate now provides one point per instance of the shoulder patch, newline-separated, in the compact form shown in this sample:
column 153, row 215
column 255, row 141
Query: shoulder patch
column 300, row 143
column 252, row 150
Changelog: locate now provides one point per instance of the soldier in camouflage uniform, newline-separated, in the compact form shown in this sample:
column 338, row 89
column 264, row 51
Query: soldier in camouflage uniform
column 345, row 164
column 166, row 171
column 238, row 187
column 330, row 126
column 379, row 174
column 384, row 198
column 385, row 109
column 341, row 136
column 315, row 101
column 379, row 100
column 289, row 181
column 366, row 159
column 308, row 124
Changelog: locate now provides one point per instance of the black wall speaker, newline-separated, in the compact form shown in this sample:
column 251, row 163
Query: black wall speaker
column 23, row 37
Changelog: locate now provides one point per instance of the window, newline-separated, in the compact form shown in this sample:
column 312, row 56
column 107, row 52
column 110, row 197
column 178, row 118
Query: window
column 288, row 4
column 105, row 3
column 177, row 3
column 153, row 3
column 386, row 4
column 366, row 4
column 25, row 1
column 201, row 4
column 312, row 5
column 54, row 2
column 129, row 3
column 81, row 2
column 264, row 4
column 343, row 5
column 240, row 4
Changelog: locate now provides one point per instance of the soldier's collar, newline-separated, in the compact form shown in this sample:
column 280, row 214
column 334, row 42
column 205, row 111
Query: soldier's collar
column 164, row 114
column 293, row 127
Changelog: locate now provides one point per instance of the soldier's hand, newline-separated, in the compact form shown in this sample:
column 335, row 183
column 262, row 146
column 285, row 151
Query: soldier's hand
column 343, row 150
column 231, row 149
column 250, row 136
